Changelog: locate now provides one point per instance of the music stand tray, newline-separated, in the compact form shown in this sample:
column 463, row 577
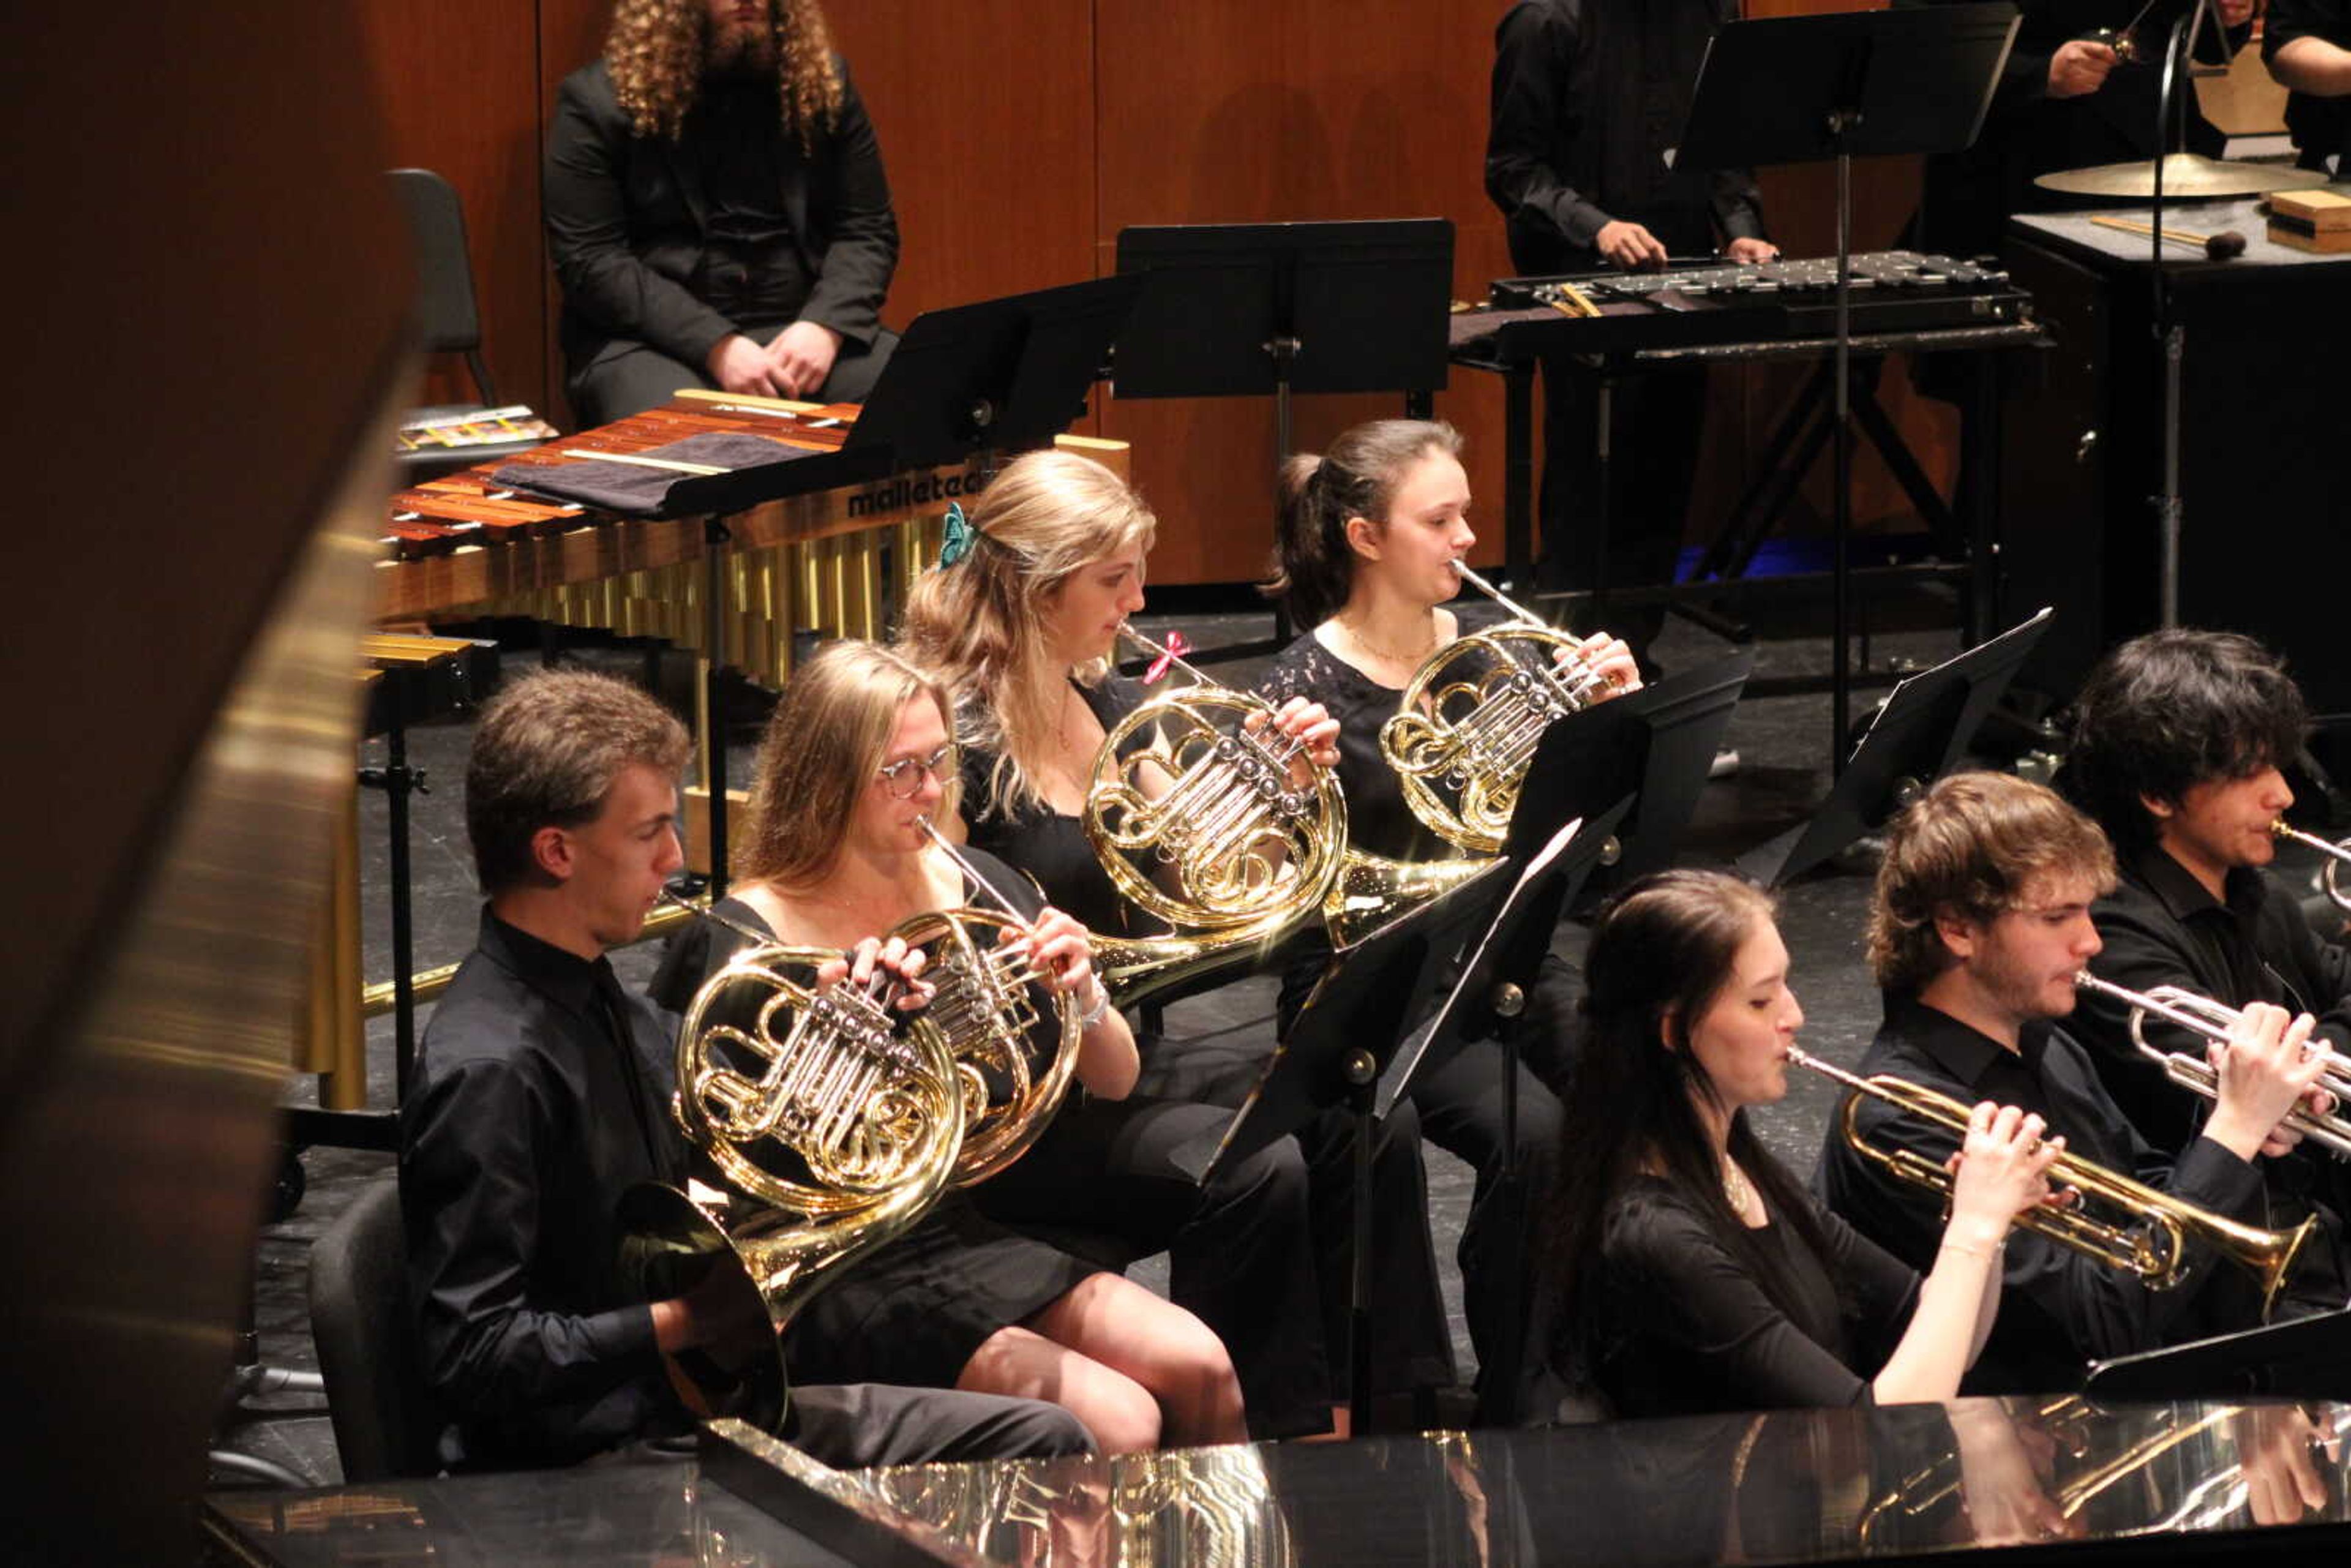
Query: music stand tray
column 1922, row 729
column 2305, row 1358
column 1681, row 721
column 1001, row 375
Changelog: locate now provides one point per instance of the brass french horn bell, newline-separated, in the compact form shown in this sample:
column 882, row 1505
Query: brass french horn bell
column 831, row 1130
column 1013, row 1039
column 1465, row 729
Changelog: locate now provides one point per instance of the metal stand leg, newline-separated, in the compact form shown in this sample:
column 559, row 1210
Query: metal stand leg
column 714, row 538
column 1519, row 473
column 1362, row 1075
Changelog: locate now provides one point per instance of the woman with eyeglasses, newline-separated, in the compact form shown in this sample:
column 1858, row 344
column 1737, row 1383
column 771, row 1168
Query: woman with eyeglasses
column 835, row 855
column 1021, row 626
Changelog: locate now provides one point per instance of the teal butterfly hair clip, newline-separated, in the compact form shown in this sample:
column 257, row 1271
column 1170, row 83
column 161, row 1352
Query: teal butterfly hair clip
column 959, row 537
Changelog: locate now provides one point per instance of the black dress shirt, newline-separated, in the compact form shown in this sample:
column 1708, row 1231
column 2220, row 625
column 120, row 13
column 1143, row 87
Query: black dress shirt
column 1588, row 102
column 1686, row 1327
column 2058, row 1308
column 2161, row 927
column 540, row 1099
column 2321, row 127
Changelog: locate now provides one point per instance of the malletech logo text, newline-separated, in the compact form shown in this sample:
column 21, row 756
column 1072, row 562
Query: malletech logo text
column 914, row 490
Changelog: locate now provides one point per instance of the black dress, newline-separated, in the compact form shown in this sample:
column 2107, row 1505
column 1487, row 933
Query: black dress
column 914, row 1311
column 1261, row 1251
column 1460, row 1105
column 1686, row 1327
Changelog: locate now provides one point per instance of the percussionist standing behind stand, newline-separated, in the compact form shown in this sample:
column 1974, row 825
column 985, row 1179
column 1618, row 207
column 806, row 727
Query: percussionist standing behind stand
column 1588, row 101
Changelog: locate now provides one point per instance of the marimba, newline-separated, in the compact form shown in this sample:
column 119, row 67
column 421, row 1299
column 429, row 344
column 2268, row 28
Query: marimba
column 834, row 561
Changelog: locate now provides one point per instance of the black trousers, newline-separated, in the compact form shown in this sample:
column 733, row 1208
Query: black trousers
column 851, row 1425
column 626, row 378
column 1657, row 419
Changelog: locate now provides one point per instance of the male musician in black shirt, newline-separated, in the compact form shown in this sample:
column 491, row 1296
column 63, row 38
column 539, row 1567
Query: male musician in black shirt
column 2306, row 43
column 1981, row 919
column 2177, row 740
column 716, row 210
column 542, row 1096
column 1589, row 99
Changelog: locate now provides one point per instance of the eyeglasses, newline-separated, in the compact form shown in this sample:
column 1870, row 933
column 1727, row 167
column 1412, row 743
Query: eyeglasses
column 904, row 777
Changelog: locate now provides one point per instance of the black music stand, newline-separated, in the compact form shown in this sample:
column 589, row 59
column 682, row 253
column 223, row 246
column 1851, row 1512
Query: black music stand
column 1919, row 733
column 1003, row 375
column 2305, row 1358
column 1488, row 1000
column 1799, row 90
column 1662, row 743
column 1246, row 310
column 1334, row 1054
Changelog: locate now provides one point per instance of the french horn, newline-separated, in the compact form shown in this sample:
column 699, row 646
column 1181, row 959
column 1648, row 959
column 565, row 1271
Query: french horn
column 1250, row 855
column 831, row 1128
column 1465, row 731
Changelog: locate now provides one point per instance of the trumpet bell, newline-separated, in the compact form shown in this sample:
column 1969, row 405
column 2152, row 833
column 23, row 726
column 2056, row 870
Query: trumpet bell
column 832, row 1130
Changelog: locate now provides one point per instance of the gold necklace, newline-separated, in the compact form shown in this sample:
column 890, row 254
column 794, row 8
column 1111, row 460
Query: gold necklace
column 1390, row 654
column 1736, row 1187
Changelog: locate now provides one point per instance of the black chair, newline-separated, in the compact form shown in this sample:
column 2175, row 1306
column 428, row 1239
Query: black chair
column 387, row 1423
column 447, row 318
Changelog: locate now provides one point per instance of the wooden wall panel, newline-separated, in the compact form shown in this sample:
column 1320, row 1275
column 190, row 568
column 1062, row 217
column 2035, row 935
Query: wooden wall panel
column 1021, row 137
column 455, row 79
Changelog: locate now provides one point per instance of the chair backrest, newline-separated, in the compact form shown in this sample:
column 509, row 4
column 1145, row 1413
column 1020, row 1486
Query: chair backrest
column 387, row 1423
column 446, row 314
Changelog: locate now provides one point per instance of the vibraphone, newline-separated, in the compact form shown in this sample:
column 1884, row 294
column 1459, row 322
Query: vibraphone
column 833, row 561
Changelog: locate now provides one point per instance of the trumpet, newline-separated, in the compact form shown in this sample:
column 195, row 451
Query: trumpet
column 1472, row 713
column 2151, row 1239
column 2338, row 855
column 2203, row 1015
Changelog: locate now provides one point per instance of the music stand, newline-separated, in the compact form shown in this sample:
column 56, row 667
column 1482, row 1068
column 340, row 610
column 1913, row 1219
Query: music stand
column 1333, row 1053
column 1670, row 733
column 1799, row 90
column 1489, row 1000
column 1002, row 376
column 2306, row 1358
column 1246, row 310
column 1920, row 732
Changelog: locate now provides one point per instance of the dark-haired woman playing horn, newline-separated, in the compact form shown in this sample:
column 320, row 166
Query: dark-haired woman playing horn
column 1370, row 533
column 1693, row 1272
column 856, row 755
column 1021, row 629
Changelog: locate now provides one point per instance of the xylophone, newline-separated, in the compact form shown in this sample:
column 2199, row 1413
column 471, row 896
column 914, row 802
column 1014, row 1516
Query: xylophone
column 832, row 561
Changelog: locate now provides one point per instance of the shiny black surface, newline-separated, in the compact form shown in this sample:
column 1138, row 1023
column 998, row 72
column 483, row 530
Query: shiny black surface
column 2059, row 1479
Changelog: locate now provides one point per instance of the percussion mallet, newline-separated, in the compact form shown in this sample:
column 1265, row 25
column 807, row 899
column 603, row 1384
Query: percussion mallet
column 2222, row 246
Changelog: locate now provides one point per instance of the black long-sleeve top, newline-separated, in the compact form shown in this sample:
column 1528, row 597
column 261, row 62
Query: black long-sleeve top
column 2320, row 125
column 2161, row 927
column 1686, row 1327
column 1588, row 101
column 648, row 251
column 538, row 1100
column 2058, row 1308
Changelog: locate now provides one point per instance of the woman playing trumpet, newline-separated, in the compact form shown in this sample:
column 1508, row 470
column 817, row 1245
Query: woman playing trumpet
column 1693, row 1271
column 1372, row 533
column 1021, row 628
column 856, row 755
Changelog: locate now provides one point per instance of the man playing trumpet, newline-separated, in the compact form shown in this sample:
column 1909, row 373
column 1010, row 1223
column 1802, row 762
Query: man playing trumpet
column 1980, row 922
column 2179, row 739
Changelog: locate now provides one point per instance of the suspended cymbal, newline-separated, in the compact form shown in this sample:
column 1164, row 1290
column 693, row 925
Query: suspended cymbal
column 2187, row 175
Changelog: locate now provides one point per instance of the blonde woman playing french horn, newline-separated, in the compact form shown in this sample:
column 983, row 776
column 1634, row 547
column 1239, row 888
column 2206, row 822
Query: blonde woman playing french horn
column 1370, row 533
column 858, row 751
column 1021, row 626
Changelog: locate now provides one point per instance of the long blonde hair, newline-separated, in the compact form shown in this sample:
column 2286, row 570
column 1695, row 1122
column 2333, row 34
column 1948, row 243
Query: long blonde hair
column 979, row 625
column 655, row 53
column 822, row 746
